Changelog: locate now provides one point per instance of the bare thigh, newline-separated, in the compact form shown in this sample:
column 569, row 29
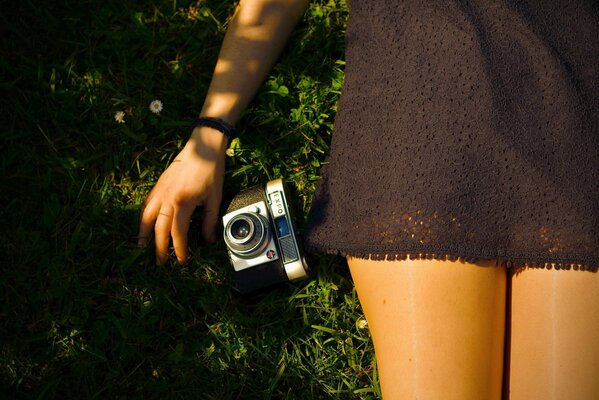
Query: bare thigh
column 437, row 326
column 554, row 335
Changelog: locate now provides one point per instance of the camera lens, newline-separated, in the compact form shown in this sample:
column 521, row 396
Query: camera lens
column 240, row 229
column 247, row 234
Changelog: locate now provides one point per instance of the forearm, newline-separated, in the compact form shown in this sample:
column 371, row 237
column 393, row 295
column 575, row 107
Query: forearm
column 254, row 40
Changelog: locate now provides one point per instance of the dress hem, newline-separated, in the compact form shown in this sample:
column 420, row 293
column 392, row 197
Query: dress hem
column 511, row 260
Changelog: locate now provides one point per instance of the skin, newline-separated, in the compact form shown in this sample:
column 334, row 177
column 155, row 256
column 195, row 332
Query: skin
column 438, row 326
column 554, row 342
column 438, row 329
column 256, row 36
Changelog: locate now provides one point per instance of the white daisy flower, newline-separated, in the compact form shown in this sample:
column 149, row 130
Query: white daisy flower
column 230, row 152
column 156, row 106
column 361, row 323
column 119, row 117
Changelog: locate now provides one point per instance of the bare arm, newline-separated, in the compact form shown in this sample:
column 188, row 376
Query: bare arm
column 255, row 37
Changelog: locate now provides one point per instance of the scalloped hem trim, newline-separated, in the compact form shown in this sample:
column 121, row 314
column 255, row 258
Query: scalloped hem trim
column 509, row 262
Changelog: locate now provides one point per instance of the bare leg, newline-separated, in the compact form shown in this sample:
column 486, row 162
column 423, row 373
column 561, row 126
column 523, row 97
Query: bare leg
column 554, row 335
column 437, row 326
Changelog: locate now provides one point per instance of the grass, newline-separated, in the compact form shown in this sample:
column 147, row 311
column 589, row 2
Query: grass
column 87, row 314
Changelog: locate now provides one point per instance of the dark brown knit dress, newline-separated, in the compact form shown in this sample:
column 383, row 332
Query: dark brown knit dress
column 466, row 129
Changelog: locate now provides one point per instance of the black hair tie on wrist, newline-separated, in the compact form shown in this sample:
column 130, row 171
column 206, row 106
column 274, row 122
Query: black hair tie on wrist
column 224, row 127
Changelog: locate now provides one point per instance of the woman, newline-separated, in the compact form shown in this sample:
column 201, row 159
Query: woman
column 478, row 125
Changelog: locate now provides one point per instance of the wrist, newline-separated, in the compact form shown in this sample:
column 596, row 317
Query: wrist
column 219, row 124
column 223, row 107
column 205, row 137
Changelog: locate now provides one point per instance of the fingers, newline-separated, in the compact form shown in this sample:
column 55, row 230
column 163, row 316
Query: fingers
column 179, row 231
column 210, row 217
column 162, row 231
column 165, row 222
column 168, row 212
column 146, row 222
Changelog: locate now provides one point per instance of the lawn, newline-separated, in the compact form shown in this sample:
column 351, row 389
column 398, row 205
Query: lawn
column 85, row 313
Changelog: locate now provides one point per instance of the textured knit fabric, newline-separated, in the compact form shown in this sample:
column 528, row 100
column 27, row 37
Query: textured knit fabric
column 466, row 129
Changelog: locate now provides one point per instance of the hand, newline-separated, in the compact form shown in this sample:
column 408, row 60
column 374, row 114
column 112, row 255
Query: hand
column 195, row 178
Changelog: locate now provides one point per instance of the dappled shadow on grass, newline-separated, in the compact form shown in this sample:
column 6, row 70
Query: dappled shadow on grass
column 131, row 328
column 101, row 314
column 85, row 313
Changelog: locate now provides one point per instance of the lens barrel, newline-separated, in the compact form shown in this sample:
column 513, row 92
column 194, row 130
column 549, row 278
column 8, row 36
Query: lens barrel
column 247, row 234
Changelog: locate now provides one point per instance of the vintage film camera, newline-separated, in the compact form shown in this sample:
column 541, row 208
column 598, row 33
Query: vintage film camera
column 261, row 238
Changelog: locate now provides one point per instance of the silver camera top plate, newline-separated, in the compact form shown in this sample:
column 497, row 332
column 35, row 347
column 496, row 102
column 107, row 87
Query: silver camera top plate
column 275, row 193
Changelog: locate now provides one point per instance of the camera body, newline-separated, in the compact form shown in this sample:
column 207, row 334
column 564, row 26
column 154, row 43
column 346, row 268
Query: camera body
column 261, row 238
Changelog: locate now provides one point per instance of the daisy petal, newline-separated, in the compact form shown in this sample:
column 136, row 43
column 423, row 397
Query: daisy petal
column 119, row 117
column 156, row 106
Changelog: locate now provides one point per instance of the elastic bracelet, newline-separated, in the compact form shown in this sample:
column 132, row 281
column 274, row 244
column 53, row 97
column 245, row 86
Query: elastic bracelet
column 225, row 128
